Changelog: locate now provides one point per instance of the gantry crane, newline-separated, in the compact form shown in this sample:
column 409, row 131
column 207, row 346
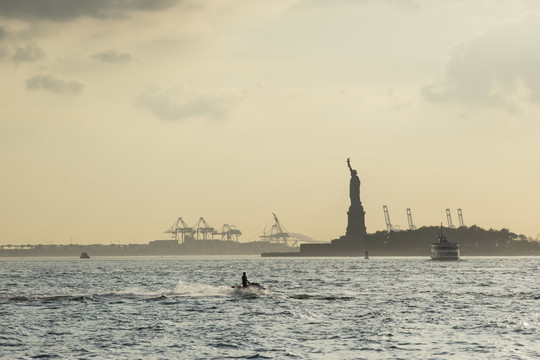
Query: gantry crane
column 389, row 226
column 279, row 234
column 202, row 228
column 409, row 219
column 180, row 227
column 229, row 233
column 460, row 218
column 202, row 231
column 449, row 219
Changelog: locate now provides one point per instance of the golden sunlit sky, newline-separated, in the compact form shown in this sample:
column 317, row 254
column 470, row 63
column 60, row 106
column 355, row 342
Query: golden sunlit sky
column 118, row 117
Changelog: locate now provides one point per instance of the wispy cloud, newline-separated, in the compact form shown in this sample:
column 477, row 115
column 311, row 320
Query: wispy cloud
column 495, row 67
column 405, row 5
column 66, row 10
column 3, row 33
column 4, row 50
column 171, row 105
column 12, row 49
column 28, row 53
column 112, row 56
column 54, row 84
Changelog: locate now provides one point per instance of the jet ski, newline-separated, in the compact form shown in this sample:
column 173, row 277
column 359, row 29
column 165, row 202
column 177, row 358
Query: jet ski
column 251, row 287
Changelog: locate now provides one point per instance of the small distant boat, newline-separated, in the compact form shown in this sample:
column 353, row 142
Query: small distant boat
column 443, row 249
column 84, row 256
column 367, row 256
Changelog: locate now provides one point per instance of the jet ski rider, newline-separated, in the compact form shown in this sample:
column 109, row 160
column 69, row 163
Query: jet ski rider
column 245, row 281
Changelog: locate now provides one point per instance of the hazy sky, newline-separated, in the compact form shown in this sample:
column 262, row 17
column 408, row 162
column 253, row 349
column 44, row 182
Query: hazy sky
column 118, row 117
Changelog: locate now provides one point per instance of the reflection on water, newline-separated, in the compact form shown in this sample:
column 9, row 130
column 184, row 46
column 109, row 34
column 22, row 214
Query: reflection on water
column 312, row 308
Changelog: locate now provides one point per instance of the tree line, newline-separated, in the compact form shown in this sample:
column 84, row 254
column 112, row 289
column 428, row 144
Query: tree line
column 473, row 241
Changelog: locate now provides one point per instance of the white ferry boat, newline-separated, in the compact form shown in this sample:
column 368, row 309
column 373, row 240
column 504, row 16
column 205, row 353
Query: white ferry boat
column 443, row 249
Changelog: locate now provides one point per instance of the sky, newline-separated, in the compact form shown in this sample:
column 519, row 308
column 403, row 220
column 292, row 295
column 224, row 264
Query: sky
column 118, row 117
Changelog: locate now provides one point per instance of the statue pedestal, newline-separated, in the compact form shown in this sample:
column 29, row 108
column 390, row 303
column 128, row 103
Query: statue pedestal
column 356, row 225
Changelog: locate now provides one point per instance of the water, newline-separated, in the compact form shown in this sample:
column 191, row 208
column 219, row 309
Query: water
column 313, row 308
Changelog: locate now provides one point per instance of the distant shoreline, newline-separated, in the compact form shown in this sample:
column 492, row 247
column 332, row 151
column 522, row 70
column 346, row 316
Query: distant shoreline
column 473, row 241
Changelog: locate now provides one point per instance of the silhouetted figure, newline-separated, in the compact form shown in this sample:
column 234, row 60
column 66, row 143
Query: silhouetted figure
column 354, row 191
column 245, row 281
column 356, row 225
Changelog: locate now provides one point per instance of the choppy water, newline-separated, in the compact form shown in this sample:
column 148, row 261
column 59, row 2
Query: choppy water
column 313, row 308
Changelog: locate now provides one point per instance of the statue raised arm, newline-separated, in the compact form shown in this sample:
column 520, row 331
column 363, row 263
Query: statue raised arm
column 354, row 190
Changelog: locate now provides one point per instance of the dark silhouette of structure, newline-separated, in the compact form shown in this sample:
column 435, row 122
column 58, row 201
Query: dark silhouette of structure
column 354, row 241
column 356, row 225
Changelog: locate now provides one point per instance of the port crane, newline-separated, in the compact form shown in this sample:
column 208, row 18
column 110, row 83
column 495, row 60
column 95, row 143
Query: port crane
column 180, row 227
column 229, row 233
column 449, row 219
column 279, row 234
column 203, row 229
column 389, row 226
column 409, row 219
column 460, row 218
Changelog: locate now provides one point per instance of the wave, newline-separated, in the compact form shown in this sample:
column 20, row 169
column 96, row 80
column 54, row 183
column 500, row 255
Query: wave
column 49, row 298
column 197, row 289
column 319, row 297
column 181, row 289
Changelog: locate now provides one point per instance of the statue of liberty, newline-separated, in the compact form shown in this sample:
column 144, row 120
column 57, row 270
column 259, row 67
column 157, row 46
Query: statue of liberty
column 354, row 190
column 356, row 225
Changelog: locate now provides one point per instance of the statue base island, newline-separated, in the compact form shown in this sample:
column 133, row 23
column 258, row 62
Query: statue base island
column 353, row 243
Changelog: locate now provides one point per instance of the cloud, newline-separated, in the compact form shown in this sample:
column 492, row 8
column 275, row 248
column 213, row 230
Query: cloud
column 10, row 50
column 398, row 99
column 170, row 106
column 54, row 84
column 495, row 67
column 4, row 51
column 405, row 5
column 29, row 53
column 66, row 10
column 112, row 56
